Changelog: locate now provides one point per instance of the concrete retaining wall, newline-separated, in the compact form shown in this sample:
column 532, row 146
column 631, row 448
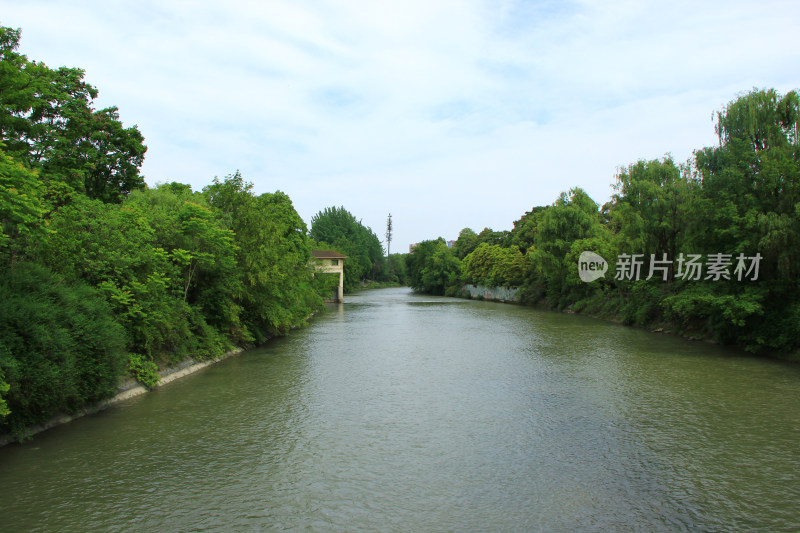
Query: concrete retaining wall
column 495, row 294
column 128, row 389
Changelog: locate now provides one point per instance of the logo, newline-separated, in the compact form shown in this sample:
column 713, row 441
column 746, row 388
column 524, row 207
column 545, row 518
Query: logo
column 591, row 266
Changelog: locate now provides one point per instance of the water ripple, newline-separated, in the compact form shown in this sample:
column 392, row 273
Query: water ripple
column 399, row 412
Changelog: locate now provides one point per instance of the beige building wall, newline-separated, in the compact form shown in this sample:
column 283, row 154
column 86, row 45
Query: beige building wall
column 323, row 262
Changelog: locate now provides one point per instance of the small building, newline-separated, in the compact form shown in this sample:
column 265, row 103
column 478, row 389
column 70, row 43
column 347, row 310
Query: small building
column 331, row 262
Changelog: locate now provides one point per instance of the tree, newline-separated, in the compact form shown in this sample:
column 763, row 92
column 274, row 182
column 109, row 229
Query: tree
column 60, row 347
column 339, row 229
column 751, row 182
column 489, row 236
column 737, row 202
column 21, row 205
column 467, row 241
column 4, row 388
column 524, row 233
column 573, row 217
column 109, row 156
column 47, row 122
column 397, row 268
column 650, row 209
column 433, row 268
column 749, row 203
column 201, row 258
column 494, row 266
column 161, row 259
column 273, row 253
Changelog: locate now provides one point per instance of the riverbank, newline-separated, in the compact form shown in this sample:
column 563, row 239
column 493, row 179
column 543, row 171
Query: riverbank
column 511, row 295
column 129, row 388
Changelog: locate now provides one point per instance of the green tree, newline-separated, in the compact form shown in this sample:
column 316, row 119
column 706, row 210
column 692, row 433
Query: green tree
column 525, row 229
column 433, row 268
column 273, row 253
column 751, row 183
column 489, row 236
column 112, row 248
column 573, row 217
column 21, row 205
column 650, row 210
column 60, row 347
column 494, row 266
column 342, row 231
column 105, row 155
column 201, row 254
column 162, row 263
column 4, row 388
column 47, row 122
column 749, row 203
column 397, row 268
column 467, row 241
column 388, row 235
column 740, row 199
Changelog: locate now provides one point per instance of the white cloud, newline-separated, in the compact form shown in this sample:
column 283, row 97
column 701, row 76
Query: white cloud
column 445, row 113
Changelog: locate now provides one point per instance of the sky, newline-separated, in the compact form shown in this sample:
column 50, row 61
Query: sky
column 446, row 114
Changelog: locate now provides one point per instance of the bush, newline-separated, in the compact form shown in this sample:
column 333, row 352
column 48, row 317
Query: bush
column 4, row 412
column 60, row 348
column 144, row 371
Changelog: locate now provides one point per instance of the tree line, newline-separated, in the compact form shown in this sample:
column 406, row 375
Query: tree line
column 710, row 247
column 102, row 276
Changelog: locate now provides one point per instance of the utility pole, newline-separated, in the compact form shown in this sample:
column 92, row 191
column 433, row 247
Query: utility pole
column 388, row 234
column 389, row 242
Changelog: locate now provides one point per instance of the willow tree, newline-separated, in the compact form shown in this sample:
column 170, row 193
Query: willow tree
column 749, row 203
column 649, row 207
column 762, row 118
column 751, row 182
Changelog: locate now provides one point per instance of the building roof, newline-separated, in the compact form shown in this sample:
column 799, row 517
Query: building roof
column 327, row 254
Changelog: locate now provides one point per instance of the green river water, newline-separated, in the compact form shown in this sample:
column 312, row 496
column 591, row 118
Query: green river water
column 402, row 412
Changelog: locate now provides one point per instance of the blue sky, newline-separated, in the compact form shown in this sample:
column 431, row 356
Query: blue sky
column 448, row 114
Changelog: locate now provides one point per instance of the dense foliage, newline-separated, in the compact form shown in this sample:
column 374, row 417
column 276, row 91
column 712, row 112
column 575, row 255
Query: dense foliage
column 682, row 242
column 101, row 275
column 47, row 122
column 273, row 252
column 335, row 228
column 433, row 268
column 60, row 346
column 396, row 269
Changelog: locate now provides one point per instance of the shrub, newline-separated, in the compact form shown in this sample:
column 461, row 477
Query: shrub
column 144, row 371
column 60, row 348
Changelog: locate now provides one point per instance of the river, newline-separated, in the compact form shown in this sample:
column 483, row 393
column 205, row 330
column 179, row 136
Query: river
column 403, row 412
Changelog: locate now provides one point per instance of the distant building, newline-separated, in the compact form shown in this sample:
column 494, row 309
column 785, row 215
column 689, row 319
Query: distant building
column 329, row 261
column 450, row 244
